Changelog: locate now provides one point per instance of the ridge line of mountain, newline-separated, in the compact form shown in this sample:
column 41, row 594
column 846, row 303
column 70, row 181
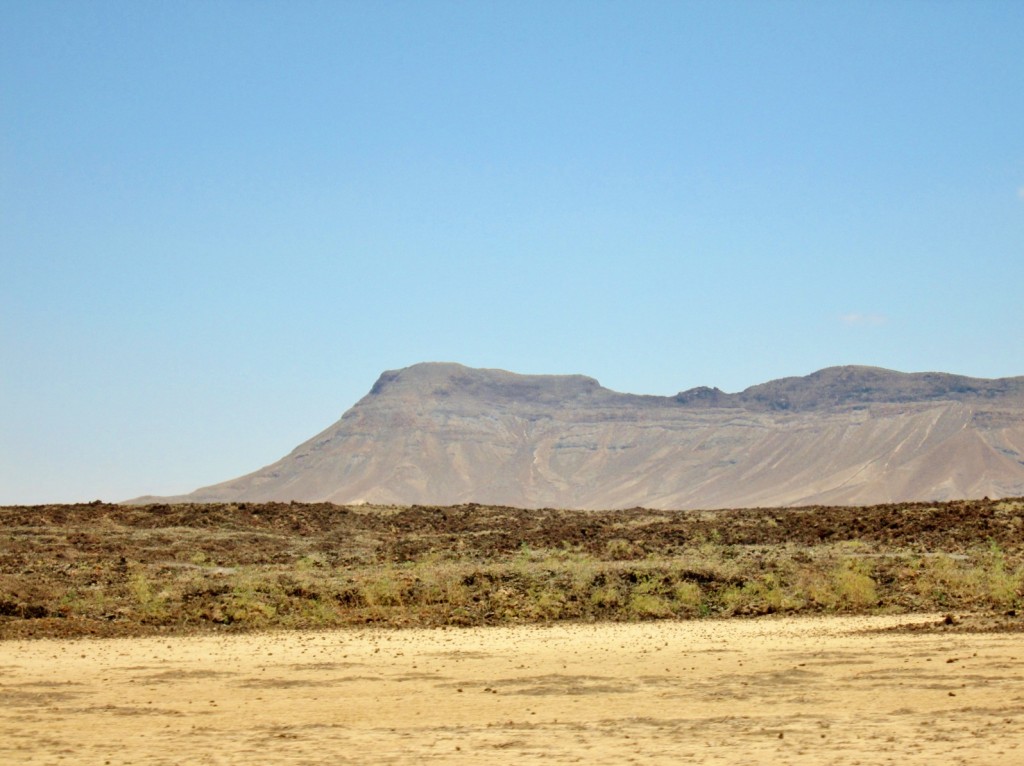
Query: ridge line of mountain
column 442, row 434
column 830, row 386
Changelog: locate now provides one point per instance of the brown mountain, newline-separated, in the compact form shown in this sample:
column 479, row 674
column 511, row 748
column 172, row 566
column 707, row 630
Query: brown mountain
column 445, row 434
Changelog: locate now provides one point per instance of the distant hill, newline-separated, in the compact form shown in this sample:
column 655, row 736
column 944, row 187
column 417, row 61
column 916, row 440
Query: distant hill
column 444, row 434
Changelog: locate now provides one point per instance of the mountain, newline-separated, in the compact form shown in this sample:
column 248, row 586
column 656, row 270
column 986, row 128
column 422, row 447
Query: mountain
column 444, row 434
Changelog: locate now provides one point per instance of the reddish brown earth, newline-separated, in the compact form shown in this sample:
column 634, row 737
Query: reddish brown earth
column 259, row 532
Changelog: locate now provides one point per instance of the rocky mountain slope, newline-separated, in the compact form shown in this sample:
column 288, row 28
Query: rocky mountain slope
column 445, row 434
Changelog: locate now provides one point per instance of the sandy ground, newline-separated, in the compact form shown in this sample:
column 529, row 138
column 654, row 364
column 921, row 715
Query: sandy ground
column 739, row 691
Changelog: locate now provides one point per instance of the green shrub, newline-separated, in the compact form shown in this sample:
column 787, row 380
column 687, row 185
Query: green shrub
column 689, row 595
column 619, row 549
column 647, row 605
column 854, row 586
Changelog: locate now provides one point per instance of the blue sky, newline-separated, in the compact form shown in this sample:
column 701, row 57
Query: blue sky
column 220, row 221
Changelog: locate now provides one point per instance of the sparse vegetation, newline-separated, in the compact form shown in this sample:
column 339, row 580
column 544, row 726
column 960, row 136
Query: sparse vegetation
column 110, row 570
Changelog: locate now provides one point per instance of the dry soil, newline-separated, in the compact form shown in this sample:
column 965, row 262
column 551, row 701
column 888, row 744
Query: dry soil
column 837, row 690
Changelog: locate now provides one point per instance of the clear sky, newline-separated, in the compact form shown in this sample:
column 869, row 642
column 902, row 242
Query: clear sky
column 220, row 221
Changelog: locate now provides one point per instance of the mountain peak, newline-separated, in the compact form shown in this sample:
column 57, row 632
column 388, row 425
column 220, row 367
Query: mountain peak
column 445, row 379
column 855, row 384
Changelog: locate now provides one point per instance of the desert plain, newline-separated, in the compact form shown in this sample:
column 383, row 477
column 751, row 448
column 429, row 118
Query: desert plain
column 838, row 690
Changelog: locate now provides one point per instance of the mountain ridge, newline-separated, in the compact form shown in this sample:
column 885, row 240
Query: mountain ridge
column 829, row 386
column 442, row 433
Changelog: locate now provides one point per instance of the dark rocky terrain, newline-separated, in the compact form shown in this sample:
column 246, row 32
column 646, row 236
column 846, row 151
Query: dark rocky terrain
column 102, row 569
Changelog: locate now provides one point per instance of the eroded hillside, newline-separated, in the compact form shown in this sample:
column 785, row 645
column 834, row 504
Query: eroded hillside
column 445, row 434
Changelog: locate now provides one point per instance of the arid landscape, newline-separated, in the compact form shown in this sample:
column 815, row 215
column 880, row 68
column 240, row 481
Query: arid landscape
column 511, row 383
column 289, row 633
column 110, row 570
column 446, row 434
column 809, row 690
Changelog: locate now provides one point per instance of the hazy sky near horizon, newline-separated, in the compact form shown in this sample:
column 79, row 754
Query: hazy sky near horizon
column 220, row 221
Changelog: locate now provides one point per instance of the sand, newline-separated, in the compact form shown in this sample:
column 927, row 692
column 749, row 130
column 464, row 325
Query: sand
column 794, row 691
